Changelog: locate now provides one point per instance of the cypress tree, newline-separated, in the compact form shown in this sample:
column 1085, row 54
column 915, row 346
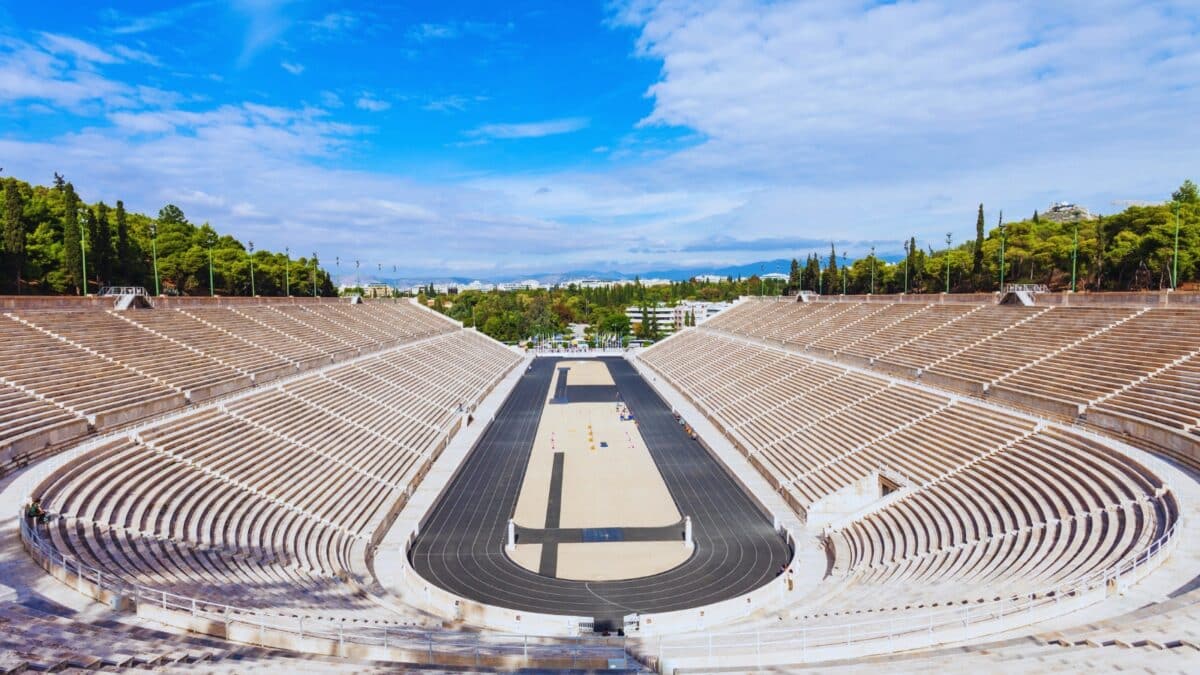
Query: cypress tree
column 125, row 262
column 14, row 230
column 100, row 240
column 832, row 278
column 794, row 278
column 977, row 263
column 72, row 260
column 811, row 270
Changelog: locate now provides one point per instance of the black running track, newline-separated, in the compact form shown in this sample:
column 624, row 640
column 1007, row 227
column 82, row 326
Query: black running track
column 461, row 545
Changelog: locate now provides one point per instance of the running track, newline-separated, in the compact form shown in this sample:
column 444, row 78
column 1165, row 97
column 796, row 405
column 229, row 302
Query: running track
column 461, row 545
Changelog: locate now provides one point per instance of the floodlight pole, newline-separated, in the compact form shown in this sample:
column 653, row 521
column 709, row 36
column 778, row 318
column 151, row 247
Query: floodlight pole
column 315, row 270
column 1003, row 232
column 1074, row 255
column 949, row 238
column 872, row 270
column 154, row 251
column 1175, row 264
column 252, row 290
column 83, row 255
column 287, row 273
column 843, row 272
column 907, row 255
column 212, row 292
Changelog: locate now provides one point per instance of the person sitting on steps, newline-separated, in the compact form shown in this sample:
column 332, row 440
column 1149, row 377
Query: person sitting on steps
column 35, row 513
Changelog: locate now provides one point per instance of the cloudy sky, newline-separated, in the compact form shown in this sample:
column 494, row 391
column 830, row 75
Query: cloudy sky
column 503, row 138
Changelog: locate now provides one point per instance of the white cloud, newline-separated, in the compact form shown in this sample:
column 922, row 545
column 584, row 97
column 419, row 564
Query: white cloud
column 336, row 22
column 369, row 103
column 331, row 100
column 35, row 74
column 266, row 22
column 124, row 25
column 452, row 103
column 76, row 48
column 554, row 127
column 293, row 68
column 136, row 55
column 425, row 32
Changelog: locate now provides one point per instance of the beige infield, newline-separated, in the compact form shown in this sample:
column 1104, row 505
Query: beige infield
column 614, row 486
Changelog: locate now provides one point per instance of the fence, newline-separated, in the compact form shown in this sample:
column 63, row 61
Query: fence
column 322, row 635
column 915, row 630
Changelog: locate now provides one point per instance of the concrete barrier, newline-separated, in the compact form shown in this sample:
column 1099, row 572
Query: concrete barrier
column 954, row 382
column 1176, row 442
column 135, row 411
column 1031, row 401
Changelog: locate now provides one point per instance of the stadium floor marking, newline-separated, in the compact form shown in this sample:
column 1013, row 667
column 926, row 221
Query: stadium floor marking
column 548, row 565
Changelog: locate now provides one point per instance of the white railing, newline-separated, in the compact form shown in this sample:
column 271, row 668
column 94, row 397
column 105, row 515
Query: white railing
column 916, row 630
column 446, row 645
column 1026, row 288
column 122, row 290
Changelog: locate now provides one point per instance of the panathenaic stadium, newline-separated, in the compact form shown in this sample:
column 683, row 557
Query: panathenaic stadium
column 955, row 483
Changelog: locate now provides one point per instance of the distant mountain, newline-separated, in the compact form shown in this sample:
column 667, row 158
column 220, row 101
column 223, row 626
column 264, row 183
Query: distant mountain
column 778, row 265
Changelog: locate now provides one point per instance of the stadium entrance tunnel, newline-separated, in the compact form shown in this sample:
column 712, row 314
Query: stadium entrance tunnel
column 564, row 506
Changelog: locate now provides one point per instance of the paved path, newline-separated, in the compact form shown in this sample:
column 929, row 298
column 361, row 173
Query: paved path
column 461, row 547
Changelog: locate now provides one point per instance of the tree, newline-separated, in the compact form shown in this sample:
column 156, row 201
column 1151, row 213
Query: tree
column 794, row 276
column 977, row 262
column 1186, row 194
column 14, row 230
column 832, row 277
column 100, row 242
column 812, row 270
column 125, row 263
column 72, row 261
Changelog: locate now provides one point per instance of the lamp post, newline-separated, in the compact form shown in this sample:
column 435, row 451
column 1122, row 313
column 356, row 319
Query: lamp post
column 949, row 238
column 1002, row 236
column 252, row 290
column 287, row 273
column 314, row 274
column 83, row 255
column 1175, row 263
column 843, row 272
column 337, row 264
column 907, row 256
column 154, row 251
column 357, row 278
column 211, row 291
column 1074, row 254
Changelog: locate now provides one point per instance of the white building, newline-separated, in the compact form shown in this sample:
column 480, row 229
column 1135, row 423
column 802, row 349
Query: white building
column 377, row 289
column 670, row 319
column 662, row 314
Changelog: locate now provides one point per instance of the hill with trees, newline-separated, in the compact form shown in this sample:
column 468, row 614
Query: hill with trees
column 53, row 242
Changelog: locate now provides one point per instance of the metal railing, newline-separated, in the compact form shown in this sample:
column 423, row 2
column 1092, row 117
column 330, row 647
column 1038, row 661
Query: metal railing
column 913, row 630
column 437, row 646
column 1026, row 288
column 122, row 290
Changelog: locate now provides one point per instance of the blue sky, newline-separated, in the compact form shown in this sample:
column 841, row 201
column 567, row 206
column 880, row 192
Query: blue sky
column 495, row 139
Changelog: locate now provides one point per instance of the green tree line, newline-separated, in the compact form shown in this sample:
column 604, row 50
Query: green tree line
column 53, row 242
column 1134, row 250
column 511, row 316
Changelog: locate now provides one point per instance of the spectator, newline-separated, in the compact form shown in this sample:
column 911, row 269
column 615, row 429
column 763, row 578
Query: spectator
column 35, row 513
